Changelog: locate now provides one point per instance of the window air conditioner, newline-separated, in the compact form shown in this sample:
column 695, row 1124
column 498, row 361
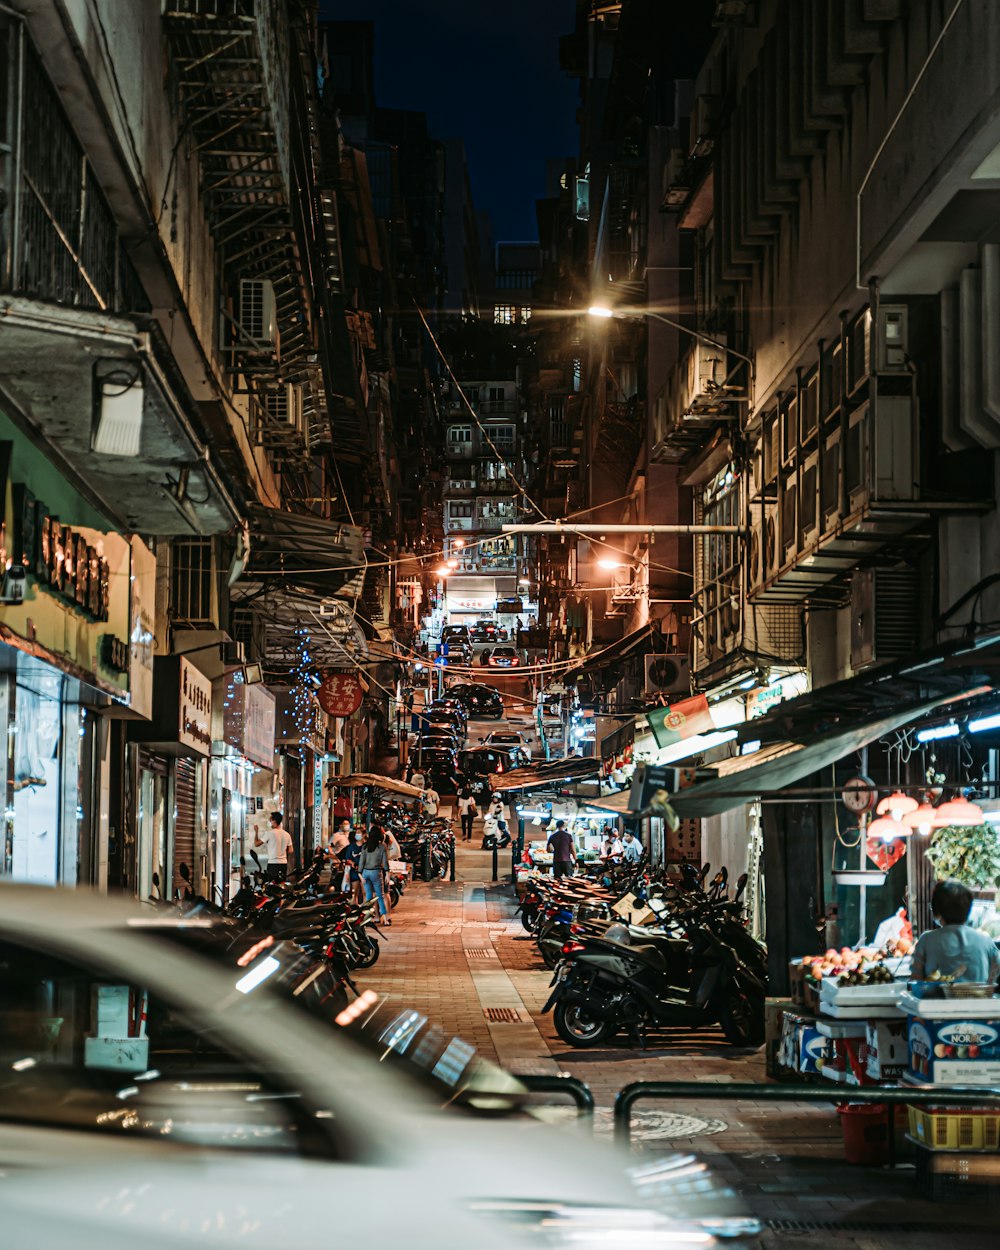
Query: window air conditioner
column 257, row 312
column 667, row 674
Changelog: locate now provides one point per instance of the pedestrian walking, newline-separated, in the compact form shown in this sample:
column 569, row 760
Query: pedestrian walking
column 279, row 846
column 351, row 881
column 430, row 801
column 467, row 810
column 561, row 845
column 373, row 864
column 418, row 779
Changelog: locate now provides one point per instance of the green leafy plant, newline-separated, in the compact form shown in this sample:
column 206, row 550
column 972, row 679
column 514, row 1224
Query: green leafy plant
column 967, row 853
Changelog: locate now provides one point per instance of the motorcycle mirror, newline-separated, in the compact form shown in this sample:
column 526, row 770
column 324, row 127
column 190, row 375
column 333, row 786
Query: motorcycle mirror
column 156, row 879
column 741, row 884
column 255, row 857
column 185, row 872
column 705, row 870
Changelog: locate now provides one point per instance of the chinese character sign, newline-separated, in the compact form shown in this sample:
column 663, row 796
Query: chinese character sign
column 340, row 694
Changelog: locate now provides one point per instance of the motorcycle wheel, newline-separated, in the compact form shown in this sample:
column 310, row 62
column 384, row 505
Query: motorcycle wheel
column 528, row 917
column 742, row 1019
column 550, row 956
column 578, row 1029
column 370, row 956
column 337, row 1001
column 393, row 895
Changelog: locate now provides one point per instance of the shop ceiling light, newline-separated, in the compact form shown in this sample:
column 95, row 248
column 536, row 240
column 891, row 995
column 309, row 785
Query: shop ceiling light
column 937, row 732
column 958, row 812
column 897, row 804
column 118, row 409
column 986, row 722
column 888, row 830
column 859, row 876
column 921, row 818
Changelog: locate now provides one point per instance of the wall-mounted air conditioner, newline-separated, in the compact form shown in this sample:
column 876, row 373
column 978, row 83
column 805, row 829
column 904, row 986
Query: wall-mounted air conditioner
column 667, row 674
column 762, row 561
column 706, row 371
column 257, row 312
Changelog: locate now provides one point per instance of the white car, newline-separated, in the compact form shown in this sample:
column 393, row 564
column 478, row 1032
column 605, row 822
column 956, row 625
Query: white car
column 510, row 738
column 152, row 1097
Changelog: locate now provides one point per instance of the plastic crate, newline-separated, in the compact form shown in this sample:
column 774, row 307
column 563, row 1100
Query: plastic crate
column 963, row 1128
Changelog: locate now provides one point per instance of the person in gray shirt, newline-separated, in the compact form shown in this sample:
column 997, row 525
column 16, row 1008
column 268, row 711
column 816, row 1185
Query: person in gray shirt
column 954, row 950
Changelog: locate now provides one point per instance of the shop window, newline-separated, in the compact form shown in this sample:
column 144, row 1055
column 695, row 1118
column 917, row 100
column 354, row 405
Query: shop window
column 504, row 314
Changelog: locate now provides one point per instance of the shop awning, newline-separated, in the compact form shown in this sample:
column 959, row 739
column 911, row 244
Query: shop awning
column 782, row 764
column 554, row 773
column 645, row 641
column 616, row 803
column 355, row 781
column 302, row 549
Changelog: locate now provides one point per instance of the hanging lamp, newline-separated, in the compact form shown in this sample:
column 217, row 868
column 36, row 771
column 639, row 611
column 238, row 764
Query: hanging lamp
column 888, row 829
column 896, row 805
column 922, row 819
column 958, row 812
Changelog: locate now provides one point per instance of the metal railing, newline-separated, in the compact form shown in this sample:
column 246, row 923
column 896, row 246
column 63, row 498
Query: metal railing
column 891, row 1096
column 563, row 1083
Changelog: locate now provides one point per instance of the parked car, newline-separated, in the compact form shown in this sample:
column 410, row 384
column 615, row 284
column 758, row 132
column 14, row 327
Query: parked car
column 152, row 1096
column 504, row 657
column 479, row 700
column 478, row 763
column 484, row 631
column 450, row 705
column 439, row 764
column 510, row 738
column 456, row 634
column 439, row 717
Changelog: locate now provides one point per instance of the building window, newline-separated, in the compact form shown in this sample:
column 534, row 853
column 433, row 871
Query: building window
column 191, row 582
column 504, row 314
column 525, row 314
column 460, row 434
column 516, row 279
column 577, row 374
column 502, row 436
column 457, row 509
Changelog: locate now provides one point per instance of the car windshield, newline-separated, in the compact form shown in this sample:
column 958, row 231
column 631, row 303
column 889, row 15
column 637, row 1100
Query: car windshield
column 448, row 1066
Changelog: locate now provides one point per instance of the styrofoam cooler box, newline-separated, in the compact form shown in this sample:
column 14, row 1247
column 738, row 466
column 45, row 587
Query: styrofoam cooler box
column 954, row 1052
column 887, row 1053
column 112, row 1011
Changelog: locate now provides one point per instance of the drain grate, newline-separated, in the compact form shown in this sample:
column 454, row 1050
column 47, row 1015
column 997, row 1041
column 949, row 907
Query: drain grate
column 862, row 1226
column 502, row 1015
column 479, row 952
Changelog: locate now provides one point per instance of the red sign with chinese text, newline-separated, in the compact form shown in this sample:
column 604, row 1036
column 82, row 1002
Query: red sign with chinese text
column 340, row 694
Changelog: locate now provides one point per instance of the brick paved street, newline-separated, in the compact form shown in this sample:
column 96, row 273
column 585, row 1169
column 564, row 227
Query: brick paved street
column 456, row 952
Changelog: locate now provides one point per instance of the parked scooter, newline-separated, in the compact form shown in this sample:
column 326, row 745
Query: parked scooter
column 691, row 974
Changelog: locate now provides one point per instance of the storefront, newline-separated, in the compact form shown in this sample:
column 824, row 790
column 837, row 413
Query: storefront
column 172, row 780
column 241, row 771
column 65, row 613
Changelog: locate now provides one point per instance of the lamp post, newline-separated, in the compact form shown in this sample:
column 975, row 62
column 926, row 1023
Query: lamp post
column 603, row 312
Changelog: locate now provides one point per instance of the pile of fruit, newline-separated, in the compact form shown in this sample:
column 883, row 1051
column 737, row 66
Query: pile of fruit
column 864, row 966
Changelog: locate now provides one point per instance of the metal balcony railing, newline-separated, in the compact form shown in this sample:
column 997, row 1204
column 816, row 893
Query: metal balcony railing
column 63, row 242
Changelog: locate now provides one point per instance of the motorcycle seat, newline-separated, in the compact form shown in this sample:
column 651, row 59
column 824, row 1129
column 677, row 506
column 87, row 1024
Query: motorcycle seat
column 652, row 956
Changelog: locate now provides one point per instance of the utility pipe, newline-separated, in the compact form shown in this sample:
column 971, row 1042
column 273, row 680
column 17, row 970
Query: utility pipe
column 559, row 527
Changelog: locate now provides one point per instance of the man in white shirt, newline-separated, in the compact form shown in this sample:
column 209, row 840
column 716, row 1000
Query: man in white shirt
column 632, row 848
column 429, row 801
column 417, row 779
column 278, row 844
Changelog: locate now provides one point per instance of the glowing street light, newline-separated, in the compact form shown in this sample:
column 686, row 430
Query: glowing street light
column 607, row 563
column 442, row 570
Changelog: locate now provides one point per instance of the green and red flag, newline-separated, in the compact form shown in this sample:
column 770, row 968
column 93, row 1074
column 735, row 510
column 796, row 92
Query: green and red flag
column 680, row 720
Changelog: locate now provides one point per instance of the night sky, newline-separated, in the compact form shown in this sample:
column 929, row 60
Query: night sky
column 488, row 73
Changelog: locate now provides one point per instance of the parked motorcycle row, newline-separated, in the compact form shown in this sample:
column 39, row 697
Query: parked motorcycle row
column 332, row 935
column 635, row 953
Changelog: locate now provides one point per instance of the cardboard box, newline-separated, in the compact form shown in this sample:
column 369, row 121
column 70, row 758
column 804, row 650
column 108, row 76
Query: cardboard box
column 803, row 1048
column 887, row 1051
column 113, row 1015
column 954, row 1052
column 120, row 1054
column 774, row 1019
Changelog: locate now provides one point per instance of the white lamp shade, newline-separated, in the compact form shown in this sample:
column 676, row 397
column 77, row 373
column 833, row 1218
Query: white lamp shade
column 888, row 829
column 897, row 803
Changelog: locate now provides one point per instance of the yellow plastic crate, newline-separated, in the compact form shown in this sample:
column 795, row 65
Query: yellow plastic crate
column 955, row 1128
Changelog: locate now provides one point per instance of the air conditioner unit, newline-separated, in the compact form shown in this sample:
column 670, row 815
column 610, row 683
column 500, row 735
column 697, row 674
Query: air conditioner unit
column 706, row 371
column 257, row 312
column 667, row 674
column 884, row 615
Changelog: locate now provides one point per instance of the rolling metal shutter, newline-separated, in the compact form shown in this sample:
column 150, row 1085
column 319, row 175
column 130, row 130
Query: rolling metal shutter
column 185, row 810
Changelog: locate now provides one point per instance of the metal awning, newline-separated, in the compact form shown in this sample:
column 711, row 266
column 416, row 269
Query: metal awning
column 302, row 549
column 171, row 486
column 643, row 641
column 616, row 803
column 545, row 775
column 355, row 781
column 335, row 636
column 788, row 762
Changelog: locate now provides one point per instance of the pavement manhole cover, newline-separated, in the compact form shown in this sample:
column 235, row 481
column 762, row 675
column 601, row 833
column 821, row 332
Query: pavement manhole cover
column 654, row 1126
column 502, row 1015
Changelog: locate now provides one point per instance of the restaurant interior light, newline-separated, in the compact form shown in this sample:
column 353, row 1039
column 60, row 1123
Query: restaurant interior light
column 958, row 812
column 921, row 818
column 984, row 723
column 896, row 804
column 600, row 310
column 888, row 830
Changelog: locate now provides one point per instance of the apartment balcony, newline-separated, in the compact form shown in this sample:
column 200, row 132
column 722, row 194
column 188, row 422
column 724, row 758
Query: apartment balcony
column 494, row 524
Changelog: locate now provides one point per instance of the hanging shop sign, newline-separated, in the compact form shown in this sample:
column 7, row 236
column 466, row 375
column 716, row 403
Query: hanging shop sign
column 195, row 713
column 142, row 619
column 248, row 719
column 182, row 709
column 340, row 694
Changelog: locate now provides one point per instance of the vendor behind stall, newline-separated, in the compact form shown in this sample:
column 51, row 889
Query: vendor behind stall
column 954, row 950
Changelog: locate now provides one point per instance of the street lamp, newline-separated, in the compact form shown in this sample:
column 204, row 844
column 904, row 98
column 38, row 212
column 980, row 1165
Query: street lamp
column 604, row 313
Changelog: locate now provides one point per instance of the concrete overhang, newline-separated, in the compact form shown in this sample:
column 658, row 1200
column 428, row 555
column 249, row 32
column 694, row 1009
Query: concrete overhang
column 48, row 355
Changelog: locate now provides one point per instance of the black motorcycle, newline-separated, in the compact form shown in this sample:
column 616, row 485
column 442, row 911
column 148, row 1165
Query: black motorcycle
column 687, row 978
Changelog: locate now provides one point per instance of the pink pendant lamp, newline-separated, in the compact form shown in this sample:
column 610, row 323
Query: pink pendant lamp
column 922, row 819
column 958, row 812
column 888, row 829
column 896, row 805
